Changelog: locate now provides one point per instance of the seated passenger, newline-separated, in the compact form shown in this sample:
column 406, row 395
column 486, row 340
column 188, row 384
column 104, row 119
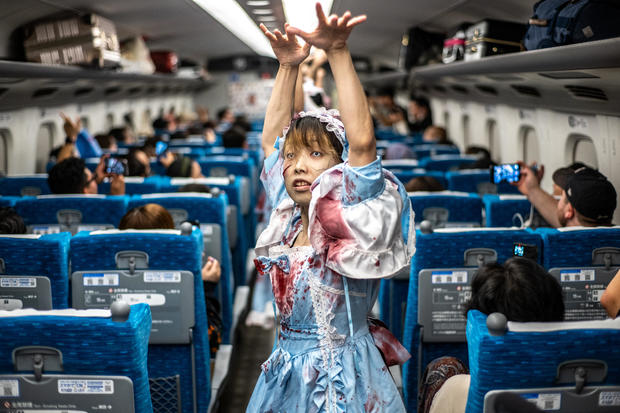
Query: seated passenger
column 71, row 176
column 86, row 145
column 610, row 300
column 235, row 137
column 138, row 163
column 587, row 198
column 182, row 167
column 122, row 134
column 225, row 118
column 398, row 150
column 484, row 158
column 11, row 222
column 107, row 142
column 424, row 184
column 154, row 216
column 419, row 114
column 436, row 134
column 520, row 289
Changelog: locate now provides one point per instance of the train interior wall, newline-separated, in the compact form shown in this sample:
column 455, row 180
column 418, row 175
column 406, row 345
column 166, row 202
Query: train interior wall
column 550, row 137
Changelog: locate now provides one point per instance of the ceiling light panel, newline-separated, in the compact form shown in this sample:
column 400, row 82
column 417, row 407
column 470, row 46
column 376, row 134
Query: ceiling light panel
column 232, row 16
column 302, row 14
column 257, row 3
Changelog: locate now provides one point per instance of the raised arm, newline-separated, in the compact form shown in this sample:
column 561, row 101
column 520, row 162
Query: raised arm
column 280, row 108
column 331, row 35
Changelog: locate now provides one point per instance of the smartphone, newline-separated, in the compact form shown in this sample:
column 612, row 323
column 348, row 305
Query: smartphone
column 116, row 166
column 525, row 251
column 507, row 172
column 160, row 148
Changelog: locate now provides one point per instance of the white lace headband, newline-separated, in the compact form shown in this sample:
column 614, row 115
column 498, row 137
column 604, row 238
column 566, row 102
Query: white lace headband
column 331, row 119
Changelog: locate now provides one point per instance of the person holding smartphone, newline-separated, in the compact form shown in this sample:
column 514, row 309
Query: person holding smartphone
column 587, row 197
column 71, row 176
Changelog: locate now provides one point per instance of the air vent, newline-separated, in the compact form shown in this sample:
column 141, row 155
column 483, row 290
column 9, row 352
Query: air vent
column 83, row 91
column 151, row 90
column 504, row 78
column 112, row 91
column 487, row 90
column 587, row 92
column 438, row 88
column 568, row 75
column 44, row 92
column 134, row 90
column 460, row 89
column 424, row 88
column 526, row 90
column 165, row 89
column 3, row 90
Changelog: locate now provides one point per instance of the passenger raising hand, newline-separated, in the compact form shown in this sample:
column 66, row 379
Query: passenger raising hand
column 332, row 32
column 287, row 49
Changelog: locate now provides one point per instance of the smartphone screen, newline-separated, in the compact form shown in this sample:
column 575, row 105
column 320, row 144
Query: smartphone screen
column 508, row 172
column 160, row 148
column 115, row 166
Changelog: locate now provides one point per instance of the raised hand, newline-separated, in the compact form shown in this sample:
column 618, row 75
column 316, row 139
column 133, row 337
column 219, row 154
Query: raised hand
column 332, row 32
column 287, row 49
column 72, row 128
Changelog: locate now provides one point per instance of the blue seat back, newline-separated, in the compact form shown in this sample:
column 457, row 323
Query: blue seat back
column 167, row 250
column 506, row 210
column 530, row 359
column 406, row 175
column 207, row 210
column 24, row 185
column 433, row 149
column 44, row 255
column 573, row 246
column 463, row 209
column 446, row 248
column 446, row 162
column 233, row 187
column 7, row 201
column 94, row 210
column 135, row 185
column 91, row 345
column 477, row 181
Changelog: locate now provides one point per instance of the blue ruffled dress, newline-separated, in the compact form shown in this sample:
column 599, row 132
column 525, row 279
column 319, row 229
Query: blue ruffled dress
column 326, row 357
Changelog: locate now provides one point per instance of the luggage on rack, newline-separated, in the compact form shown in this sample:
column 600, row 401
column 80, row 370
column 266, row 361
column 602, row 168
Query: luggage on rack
column 493, row 37
column 88, row 40
column 561, row 22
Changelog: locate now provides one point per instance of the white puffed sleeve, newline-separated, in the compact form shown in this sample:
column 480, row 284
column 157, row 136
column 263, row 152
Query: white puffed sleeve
column 361, row 218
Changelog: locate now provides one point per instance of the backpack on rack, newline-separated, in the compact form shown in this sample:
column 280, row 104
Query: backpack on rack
column 561, row 22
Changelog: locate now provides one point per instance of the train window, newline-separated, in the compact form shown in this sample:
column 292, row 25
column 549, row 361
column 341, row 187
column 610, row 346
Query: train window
column 5, row 136
column 128, row 119
column 85, row 122
column 109, row 121
column 493, row 140
column 466, row 137
column 145, row 124
column 45, row 143
column 529, row 140
column 446, row 122
column 581, row 148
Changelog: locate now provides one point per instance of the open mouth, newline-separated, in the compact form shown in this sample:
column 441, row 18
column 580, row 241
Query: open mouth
column 301, row 185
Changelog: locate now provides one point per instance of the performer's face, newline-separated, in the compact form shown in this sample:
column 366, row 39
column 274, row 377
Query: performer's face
column 302, row 165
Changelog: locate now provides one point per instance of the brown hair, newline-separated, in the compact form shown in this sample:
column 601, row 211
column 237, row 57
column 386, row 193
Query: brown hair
column 304, row 131
column 149, row 216
column 424, row 183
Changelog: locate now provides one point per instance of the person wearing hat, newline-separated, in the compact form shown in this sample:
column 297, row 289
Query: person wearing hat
column 587, row 198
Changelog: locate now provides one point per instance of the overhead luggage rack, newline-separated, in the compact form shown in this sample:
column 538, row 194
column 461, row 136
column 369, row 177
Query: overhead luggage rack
column 23, row 83
column 581, row 77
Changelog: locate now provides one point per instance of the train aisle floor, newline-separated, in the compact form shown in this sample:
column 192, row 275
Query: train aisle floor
column 252, row 349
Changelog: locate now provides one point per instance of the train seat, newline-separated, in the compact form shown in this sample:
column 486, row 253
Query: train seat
column 441, row 272
column 34, row 271
column 557, row 365
column 506, row 210
column 433, row 149
column 447, row 208
column 24, row 185
column 477, row 181
column 211, row 211
column 162, row 268
column 83, row 358
column 57, row 213
column 446, row 162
